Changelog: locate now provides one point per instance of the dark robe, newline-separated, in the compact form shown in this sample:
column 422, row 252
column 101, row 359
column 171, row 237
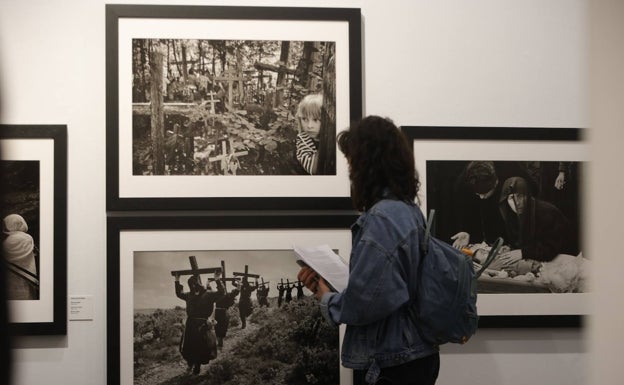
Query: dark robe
column 198, row 344
column 221, row 316
column 542, row 232
column 299, row 290
column 281, row 289
column 262, row 294
column 245, row 306
column 481, row 218
column 289, row 290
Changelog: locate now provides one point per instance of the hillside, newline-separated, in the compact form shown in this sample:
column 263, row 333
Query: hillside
column 287, row 345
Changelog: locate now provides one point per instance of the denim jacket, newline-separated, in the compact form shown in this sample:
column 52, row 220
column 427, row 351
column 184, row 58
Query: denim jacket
column 382, row 272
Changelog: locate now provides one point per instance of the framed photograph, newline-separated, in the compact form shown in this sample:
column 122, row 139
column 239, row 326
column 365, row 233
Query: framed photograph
column 523, row 185
column 215, row 107
column 258, row 324
column 34, row 226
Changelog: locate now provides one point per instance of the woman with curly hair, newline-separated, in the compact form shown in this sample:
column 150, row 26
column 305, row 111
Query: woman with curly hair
column 381, row 343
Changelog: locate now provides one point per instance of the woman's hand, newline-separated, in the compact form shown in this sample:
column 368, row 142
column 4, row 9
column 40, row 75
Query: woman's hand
column 315, row 283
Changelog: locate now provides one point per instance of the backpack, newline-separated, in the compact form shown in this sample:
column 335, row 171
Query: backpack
column 444, row 307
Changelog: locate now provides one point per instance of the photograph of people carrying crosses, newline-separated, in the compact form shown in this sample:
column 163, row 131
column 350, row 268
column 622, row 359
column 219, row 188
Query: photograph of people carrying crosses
column 233, row 107
column 533, row 205
column 226, row 317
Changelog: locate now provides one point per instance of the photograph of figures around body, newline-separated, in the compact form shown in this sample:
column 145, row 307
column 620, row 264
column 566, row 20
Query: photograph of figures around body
column 20, row 227
column 533, row 205
column 228, row 317
column 233, row 107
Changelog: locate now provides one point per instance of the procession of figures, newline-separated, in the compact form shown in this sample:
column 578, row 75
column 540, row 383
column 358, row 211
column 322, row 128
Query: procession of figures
column 233, row 325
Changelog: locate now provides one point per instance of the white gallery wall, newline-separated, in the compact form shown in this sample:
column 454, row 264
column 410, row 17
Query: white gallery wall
column 444, row 62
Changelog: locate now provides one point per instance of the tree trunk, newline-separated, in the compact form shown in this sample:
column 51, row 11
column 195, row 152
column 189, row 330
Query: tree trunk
column 223, row 54
column 240, row 75
column 305, row 67
column 169, row 73
column 158, row 115
column 281, row 75
column 138, row 70
column 200, row 52
column 314, row 82
column 144, row 70
column 175, row 58
column 260, row 86
column 184, row 64
column 327, row 136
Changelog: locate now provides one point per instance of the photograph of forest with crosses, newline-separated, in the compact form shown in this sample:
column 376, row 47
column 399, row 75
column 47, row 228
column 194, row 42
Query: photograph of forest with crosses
column 233, row 107
column 228, row 317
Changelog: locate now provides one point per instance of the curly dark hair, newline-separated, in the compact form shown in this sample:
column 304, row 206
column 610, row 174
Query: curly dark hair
column 380, row 158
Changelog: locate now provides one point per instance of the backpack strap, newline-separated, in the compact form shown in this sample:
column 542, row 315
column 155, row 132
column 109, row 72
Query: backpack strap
column 424, row 249
column 491, row 255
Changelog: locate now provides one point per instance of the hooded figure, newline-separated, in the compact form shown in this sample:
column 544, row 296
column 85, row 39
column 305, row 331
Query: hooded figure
column 534, row 226
column 245, row 307
column 19, row 253
column 198, row 345
column 475, row 194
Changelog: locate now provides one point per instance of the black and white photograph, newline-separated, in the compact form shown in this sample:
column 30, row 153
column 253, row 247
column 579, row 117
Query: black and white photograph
column 34, row 226
column 230, row 107
column 20, row 228
column 523, row 185
column 215, row 300
column 228, row 316
column 533, row 205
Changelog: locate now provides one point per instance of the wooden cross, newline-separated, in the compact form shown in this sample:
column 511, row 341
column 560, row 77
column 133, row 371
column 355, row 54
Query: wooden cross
column 230, row 77
column 246, row 274
column 223, row 279
column 263, row 284
column 212, row 102
column 256, row 75
column 195, row 271
column 228, row 160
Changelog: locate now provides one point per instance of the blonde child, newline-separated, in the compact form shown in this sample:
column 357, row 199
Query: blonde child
column 309, row 119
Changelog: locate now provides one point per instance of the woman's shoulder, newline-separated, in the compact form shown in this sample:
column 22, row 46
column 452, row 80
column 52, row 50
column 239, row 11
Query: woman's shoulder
column 395, row 210
column 389, row 222
column 393, row 205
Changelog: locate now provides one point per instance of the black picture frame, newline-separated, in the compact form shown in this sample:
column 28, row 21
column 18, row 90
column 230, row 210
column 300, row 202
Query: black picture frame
column 195, row 232
column 458, row 145
column 46, row 145
column 126, row 191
